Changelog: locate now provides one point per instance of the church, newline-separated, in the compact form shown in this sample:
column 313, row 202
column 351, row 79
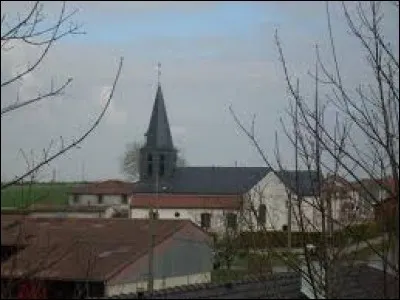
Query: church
column 215, row 198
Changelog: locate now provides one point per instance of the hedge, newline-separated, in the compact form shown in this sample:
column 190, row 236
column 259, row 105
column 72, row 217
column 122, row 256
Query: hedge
column 278, row 239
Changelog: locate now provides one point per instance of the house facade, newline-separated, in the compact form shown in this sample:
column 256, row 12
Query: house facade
column 269, row 201
column 211, row 212
column 104, row 193
column 354, row 202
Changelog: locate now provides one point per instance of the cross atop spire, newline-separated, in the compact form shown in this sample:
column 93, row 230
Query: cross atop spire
column 158, row 73
column 159, row 133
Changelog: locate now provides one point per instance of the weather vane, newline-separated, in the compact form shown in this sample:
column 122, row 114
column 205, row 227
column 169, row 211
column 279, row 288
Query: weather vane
column 159, row 72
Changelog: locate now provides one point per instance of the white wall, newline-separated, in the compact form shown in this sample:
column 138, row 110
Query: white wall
column 273, row 193
column 93, row 200
column 269, row 191
column 117, row 289
column 217, row 215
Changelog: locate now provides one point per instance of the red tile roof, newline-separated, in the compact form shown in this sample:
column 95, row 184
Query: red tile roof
column 186, row 201
column 108, row 187
column 77, row 249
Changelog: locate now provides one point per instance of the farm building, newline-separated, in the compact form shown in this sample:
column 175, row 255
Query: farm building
column 67, row 257
column 104, row 193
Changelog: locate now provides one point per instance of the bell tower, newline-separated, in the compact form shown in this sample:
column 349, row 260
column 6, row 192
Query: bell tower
column 158, row 155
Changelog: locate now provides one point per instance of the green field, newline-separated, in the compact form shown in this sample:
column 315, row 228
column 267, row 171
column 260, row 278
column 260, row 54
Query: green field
column 25, row 195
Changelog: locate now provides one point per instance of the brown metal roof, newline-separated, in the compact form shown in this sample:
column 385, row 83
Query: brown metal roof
column 186, row 201
column 80, row 249
column 108, row 187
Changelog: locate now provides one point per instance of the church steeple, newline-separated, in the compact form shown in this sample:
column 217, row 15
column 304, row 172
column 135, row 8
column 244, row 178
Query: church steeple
column 159, row 134
column 158, row 156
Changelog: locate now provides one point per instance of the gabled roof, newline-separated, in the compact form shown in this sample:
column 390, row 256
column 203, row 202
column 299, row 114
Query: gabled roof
column 159, row 134
column 307, row 181
column 62, row 248
column 206, row 181
column 108, row 187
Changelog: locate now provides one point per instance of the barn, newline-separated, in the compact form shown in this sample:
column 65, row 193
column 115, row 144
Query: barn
column 77, row 257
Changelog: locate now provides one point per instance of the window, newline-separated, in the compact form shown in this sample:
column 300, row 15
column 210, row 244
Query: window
column 262, row 214
column 124, row 199
column 100, row 199
column 231, row 220
column 177, row 214
column 162, row 165
column 205, row 220
column 149, row 164
column 155, row 215
column 76, row 199
column 284, row 227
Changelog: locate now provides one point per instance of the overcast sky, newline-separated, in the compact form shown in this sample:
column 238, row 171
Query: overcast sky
column 213, row 54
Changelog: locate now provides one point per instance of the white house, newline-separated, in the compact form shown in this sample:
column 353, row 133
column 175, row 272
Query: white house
column 213, row 213
column 269, row 201
column 104, row 193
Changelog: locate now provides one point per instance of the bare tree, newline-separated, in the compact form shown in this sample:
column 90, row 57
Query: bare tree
column 361, row 146
column 32, row 29
column 131, row 160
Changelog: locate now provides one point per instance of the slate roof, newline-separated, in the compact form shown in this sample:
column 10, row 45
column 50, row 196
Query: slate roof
column 349, row 282
column 363, row 282
column 226, row 180
column 207, row 181
column 307, row 181
column 159, row 134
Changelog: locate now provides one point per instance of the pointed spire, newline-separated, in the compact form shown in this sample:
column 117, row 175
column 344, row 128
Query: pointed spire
column 159, row 133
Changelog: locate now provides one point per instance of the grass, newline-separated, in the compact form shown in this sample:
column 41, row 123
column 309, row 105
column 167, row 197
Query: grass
column 25, row 195
column 252, row 263
column 274, row 258
column 224, row 275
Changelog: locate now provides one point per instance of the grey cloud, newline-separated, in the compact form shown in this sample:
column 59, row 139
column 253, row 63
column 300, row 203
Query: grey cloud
column 198, row 90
